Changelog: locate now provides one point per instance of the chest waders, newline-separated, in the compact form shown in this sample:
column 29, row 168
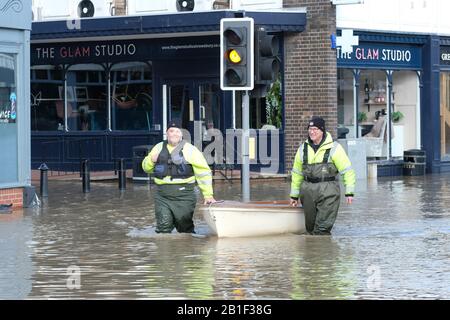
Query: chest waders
column 320, row 194
column 174, row 203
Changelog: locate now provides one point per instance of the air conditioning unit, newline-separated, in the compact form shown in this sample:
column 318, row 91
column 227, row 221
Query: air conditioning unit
column 92, row 8
column 139, row 7
column 71, row 9
column 257, row 4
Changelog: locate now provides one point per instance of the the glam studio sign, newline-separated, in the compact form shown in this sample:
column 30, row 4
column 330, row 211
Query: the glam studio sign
column 445, row 55
column 100, row 51
column 379, row 55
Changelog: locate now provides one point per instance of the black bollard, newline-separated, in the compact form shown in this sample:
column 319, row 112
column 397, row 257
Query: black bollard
column 122, row 174
column 85, row 176
column 44, row 180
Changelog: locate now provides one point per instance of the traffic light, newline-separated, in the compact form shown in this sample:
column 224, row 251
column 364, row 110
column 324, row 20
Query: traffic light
column 267, row 64
column 236, row 54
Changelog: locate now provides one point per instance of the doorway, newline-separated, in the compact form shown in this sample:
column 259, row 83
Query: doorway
column 196, row 103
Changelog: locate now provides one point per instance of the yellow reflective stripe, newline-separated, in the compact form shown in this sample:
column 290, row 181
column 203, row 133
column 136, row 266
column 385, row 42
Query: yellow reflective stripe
column 167, row 180
column 294, row 192
column 300, row 152
column 333, row 151
column 204, row 182
column 296, row 171
column 346, row 170
column 204, row 174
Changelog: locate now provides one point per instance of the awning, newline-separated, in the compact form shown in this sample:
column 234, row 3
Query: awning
column 164, row 25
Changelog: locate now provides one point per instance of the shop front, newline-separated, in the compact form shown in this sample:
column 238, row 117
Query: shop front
column 444, row 114
column 379, row 94
column 113, row 84
column 15, row 174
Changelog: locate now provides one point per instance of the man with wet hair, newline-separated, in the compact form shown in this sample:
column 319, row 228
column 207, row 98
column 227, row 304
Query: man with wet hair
column 177, row 165
column 317, row 164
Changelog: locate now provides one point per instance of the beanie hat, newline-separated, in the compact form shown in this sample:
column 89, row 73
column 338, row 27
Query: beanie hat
column 174, row 123
column 317, row 122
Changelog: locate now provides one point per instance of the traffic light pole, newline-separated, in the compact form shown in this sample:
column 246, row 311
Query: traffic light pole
column 245, row 147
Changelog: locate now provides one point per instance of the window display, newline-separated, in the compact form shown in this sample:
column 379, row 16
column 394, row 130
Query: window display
column 445, row 116
column 132, row 96
column 87, row 95
column 368, row 102
column 8, row 91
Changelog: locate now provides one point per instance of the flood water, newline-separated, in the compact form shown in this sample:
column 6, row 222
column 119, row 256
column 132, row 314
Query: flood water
column 393, row 242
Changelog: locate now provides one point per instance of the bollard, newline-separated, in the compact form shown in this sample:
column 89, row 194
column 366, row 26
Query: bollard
column 122, row 174
column 44, row 180
column 85, row 176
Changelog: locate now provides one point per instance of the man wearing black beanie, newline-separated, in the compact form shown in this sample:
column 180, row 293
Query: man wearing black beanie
column 317, row 164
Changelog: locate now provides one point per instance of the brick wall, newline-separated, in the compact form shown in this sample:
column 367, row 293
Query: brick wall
column 14, row 196
column 120, row 7
column 310, row 74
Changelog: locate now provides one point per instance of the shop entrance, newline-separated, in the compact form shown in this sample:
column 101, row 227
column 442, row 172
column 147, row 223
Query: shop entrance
column 196, row 103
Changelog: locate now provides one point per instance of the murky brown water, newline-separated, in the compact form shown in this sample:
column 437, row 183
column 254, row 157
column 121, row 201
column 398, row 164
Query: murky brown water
column 393, row 242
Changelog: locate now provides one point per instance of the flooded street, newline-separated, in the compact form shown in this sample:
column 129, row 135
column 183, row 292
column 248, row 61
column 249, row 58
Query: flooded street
column 393, row 242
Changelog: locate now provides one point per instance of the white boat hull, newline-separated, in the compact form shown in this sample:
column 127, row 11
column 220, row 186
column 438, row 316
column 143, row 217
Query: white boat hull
column 235, row 219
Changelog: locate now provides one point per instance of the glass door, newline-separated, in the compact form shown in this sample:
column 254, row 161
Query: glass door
column 196, row 104
column 210, row 106
column 180, row 104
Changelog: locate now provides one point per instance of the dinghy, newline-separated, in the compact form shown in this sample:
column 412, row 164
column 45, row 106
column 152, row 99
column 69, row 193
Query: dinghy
column 256, row 218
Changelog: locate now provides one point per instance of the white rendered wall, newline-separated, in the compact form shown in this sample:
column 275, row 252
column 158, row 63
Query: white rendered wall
column 416, row 16
column 65, row 9
column 136, row 7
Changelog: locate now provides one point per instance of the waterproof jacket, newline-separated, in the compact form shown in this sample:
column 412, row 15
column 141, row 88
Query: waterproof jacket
column 337, row 157
column 193, row 156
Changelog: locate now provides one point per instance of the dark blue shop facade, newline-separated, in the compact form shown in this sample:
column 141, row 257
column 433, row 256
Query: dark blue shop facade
column 404, row 79
column 99, row 89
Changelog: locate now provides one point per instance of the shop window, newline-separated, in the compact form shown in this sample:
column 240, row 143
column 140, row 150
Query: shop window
column 372, row 98
column 265, row 107
column 445, row 116
column 405, row 112
column 47, row 93
column 10, row 102
column 346, row 105
column 86, row 98
column 132, row 96
column 373, row 103
column 8, row 92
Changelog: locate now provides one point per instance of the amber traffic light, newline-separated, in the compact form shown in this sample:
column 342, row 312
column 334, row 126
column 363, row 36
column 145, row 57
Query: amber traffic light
column 236, row 54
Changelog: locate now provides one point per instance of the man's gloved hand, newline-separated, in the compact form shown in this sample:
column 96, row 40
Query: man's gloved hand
column 349, row 199
column 294, row 202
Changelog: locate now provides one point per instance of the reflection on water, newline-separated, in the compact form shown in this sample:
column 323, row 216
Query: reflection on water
column 393, row 242
column 16, row 247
